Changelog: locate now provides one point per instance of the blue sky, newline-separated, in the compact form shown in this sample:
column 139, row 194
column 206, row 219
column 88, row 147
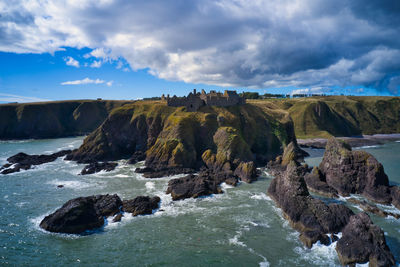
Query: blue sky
column 117, row 49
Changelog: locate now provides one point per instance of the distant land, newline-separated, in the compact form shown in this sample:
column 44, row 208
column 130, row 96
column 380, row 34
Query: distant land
column 53, row 119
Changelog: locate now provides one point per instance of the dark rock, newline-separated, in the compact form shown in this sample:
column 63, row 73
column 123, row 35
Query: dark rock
column 316, row 182
column 311, row 217
column 22, row 161
column 149, row 172
column 141, row 205
column 107, row 205
column 99, row 166
column 207, row 182
column 81, row 214
column 74, row 217
column 395, row 194
column 60, row 186
column 117, row 217
column 354, row 172
column 362, row 241
column 246, row 171
column 136, row 157
column 334, row 238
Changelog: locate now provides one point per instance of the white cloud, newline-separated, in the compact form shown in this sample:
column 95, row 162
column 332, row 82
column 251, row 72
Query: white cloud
column 258, row 44
column 96, row 64
column 86, row 81
column 8, row 98
column 70, row 61
column 110, row 83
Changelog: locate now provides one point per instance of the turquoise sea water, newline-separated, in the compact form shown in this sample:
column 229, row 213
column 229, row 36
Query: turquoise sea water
column 241, row 227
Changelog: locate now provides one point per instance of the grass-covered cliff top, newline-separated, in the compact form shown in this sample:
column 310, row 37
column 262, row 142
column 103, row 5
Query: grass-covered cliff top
column 325, row 116
column 173, row 137
column 54, row 118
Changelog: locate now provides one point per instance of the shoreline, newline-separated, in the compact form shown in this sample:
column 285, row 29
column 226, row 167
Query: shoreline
column 354, row 141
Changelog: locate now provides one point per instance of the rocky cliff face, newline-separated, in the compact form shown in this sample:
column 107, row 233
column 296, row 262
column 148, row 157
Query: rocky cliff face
column 355, row 172
column 326, row 116
column 53, row 119
column 218, row 137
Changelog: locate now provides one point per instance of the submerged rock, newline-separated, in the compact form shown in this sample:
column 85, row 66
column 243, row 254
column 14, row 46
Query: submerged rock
column 98, row 166
column 22, row 161
column 141, row 205
column 311, row 217
column 81, row 214
column 362, row 242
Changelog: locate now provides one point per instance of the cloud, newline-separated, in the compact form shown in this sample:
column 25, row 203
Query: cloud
column 258, row 44
column 87, row 81
column 96, row 64
column 9, row 98
column 71, row 62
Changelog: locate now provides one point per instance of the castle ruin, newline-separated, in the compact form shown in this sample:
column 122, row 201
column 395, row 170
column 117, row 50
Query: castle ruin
column 195, row 100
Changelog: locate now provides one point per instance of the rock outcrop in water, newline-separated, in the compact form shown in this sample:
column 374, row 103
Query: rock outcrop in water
column 310, row 216
column 53, row 119
column 233, row 139
column 99, row 166
column 362, row 242
column 87, row 213
column 22, row 161
column 205, row 183
column 351, row 172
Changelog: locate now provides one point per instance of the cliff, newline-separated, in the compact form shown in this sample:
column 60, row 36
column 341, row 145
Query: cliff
column 326, row 116
column 53, row 119
column 219, row 137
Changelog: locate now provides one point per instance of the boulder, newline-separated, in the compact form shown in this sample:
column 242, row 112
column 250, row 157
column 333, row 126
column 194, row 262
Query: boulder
column 246, row 171
column 81, row 214
column 141, row 205
column 293, row 152
column 98, row 166
column 362, row 242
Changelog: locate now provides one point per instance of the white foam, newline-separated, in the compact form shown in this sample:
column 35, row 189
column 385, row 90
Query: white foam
column 150, row 185
column 225, row 186
column 363, row 147
column 320, row 254
column 260, row 196
column 70, row 184
column 398, row 141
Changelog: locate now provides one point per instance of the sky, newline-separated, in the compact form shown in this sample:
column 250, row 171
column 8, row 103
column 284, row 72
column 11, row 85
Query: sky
column 120, row 49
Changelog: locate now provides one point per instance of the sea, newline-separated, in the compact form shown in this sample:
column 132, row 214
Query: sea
column 241, row 227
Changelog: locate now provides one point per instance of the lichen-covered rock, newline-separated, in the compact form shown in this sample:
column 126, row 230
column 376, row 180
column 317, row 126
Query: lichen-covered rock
column 293, row 152
column 354, row 172
column 141, row 205
column 175, row 139
column 362, row 242
column 81, row 214
column 311, row 217
column 246, row 171
column 99, row 166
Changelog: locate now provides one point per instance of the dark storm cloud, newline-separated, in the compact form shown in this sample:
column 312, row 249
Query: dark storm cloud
column 258, row 44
